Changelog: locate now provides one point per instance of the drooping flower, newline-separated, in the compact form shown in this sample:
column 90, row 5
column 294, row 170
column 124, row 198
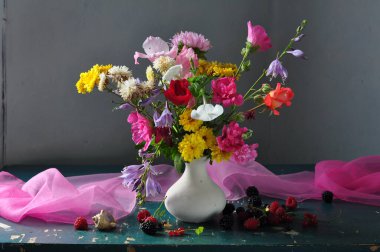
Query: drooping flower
column 224, row 92
column 163, row 63
column 149, row 74
column 178, row 92
column 275, row 68
column 141, row 129
column 173, row 73
column 208, row 135
column 163, row 120
column 231, row 139
column 131, row 175
column 297, row 53
column 191, row 147
column 188, row 123
column 277, row 97
column 299, row 38
column 258, row 37
column 102, row 82
column 119, row 73
column 207, row 112
column 186, row 56
column 152, row 186
column 191, row 40
column 246, row 153
column 217, row 69
column 155, row 47
column 218, row 155
column 89, row 79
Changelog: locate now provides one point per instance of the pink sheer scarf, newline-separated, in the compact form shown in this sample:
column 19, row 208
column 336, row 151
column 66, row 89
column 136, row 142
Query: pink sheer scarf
column 51, row 197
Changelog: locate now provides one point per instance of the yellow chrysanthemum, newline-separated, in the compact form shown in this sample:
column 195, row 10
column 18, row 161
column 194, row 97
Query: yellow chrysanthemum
column 89, row 79
column 218, row 155
column 215, row 68
column 188, row 123
column 207, row 135
column 150, row 74
column 191, row 147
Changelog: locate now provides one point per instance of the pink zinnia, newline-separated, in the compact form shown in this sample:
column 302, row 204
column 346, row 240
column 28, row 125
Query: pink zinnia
column 191, row 40
column 141, row 129
column 231, row 139
column 258, row 37
column 246, row 153
column 224, row 90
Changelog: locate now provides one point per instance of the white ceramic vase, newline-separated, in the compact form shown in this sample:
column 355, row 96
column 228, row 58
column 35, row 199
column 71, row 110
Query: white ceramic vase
column 195, row 197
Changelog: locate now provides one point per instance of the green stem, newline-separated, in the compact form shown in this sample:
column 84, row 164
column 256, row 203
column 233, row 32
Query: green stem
column 241, row 63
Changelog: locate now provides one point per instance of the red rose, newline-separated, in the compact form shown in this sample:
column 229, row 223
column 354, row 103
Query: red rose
column 291, row 203
column 178, row 92
column 276, row 98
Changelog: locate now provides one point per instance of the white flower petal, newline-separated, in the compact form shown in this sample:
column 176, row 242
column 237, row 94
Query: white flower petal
column 154, row 45
column 207, row 112
column 173, row 73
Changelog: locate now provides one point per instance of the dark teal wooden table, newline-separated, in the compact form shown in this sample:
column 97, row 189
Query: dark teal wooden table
column 342, row 227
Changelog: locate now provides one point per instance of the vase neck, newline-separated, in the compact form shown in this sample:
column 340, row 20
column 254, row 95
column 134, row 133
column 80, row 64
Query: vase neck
column 197, row 168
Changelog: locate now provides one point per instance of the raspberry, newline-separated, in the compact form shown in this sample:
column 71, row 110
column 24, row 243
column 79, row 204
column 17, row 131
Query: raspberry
column 280, row 212
column 310, row 220
column 177, row 232
column 142, row 215
column 149, row 227
column 251, row 224
column 287, row 218
column 291, row 203
column 327, row 196
column 252, row 191
column 81, row 224
column 255, row 201
column 152, row 219
column 226, row 222
column 228, row 209
column 273, row 207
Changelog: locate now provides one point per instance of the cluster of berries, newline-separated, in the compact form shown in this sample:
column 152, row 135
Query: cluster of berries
column 150, row 225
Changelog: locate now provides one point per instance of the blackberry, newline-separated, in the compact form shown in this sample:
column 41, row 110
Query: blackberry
column 255, row 201
column 240, row 210
column 256, row 213
column 229, row 208
column 252, row 191
column 327, row 196
column 226, row 222
column 149, row 227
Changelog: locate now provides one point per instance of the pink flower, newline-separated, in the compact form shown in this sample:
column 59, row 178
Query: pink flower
column 231, row 139
column 191, row 40
column 246, row 153
column 184, row 58
column 258, row 37
column 141, row 128
column 155, row 47
column 224, row 90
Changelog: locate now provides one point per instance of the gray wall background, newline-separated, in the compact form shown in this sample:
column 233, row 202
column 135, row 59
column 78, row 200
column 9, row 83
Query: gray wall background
column 46, row 44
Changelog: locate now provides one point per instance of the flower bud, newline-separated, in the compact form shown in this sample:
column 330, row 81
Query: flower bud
column 258, row 99
column 266, row 88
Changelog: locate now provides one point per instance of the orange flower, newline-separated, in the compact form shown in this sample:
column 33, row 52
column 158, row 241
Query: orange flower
column 276, row 98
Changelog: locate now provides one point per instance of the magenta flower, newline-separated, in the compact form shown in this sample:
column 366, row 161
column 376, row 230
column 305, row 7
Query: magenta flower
column 231, row 139
column 191, row 40
column 258, row 37
column 246, row 153
column 275, row 68
column 155, row 47
column 141, row 129
column 224, row 92
column 184, row 59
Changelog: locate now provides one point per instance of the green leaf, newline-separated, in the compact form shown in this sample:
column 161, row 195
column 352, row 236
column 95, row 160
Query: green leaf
column 199, row 230
column 178, row 163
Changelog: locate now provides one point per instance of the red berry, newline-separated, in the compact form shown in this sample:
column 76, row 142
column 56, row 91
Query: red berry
column 142, row 215
column 251, row 224
column 273, row 207
column 291, row 203
column 177, row 232
column 242, row 216
column 310, row 220
column 181, row 231
column 81, row 223
column 151, row 218
column 280, row 212
column 287, row 218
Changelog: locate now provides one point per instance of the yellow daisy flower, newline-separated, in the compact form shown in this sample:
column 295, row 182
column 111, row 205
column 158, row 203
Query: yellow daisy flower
column 150, row 73
column 89, row 79
column 215, row 68
column 207, row 135
column 218, row 155
column 191, row 147
column 188, row 123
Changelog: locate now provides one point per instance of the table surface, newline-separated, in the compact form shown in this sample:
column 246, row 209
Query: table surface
column 342, row 226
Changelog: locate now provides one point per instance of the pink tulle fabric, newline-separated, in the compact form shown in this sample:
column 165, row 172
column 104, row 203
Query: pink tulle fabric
column 51, row 197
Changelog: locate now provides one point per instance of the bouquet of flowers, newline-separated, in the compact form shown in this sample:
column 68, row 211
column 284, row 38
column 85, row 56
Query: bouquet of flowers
column 187, row 107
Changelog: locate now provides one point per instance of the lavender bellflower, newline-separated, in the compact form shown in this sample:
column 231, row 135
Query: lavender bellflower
column 163, row 120
column 275, row 68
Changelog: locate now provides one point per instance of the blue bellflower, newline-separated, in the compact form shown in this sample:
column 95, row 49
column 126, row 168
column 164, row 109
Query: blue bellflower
column 275, row 68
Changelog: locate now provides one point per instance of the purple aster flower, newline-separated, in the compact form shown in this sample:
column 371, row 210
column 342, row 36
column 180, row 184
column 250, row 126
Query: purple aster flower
column 131, row 175
column 163, row 120
column 152, row 187
column 297, row 53
column 299, row 38
column 151, row 98
column 275, row 68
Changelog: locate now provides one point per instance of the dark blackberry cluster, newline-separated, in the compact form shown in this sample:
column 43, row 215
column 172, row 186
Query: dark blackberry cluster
column 252, row 191
column 229, row 209
column 327, row 196
column 149, row 227
column 227, row 221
